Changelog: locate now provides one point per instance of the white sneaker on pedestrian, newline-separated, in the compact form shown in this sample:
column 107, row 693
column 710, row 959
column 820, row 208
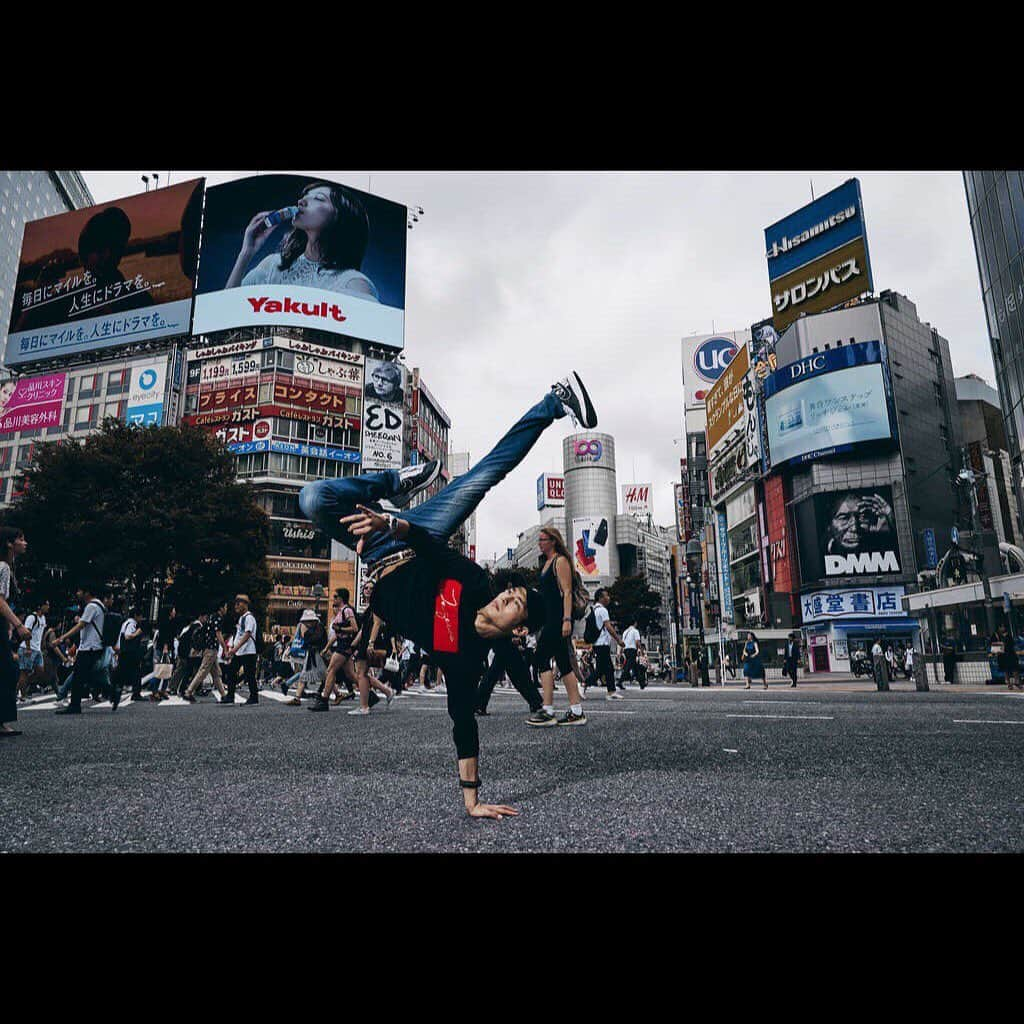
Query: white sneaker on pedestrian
column 614, row 696
column 359, row 711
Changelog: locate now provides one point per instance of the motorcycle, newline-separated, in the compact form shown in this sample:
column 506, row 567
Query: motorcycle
column 860, row 664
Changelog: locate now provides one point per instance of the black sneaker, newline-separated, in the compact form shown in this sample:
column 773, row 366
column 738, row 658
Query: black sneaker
column 413, row 479
column 189, row 697
column 319, row 704
column 570, row 719
column 284, row 688
column 69, row 710
column 541, row 717
column 573, row 395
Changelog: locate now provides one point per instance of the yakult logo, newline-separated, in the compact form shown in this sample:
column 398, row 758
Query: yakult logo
column 318, row 309
column 588, row 451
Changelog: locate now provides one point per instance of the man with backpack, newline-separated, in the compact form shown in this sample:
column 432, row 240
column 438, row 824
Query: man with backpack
column 90, row 646
column 243, row 652
column 599, row 626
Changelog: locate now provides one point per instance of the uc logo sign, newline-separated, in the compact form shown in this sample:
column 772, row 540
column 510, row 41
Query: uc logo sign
column 147, row 380
column 588, row 450
column 712, row 357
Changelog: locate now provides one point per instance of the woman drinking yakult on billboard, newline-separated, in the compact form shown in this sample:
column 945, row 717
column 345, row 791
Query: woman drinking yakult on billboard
column 324, row 249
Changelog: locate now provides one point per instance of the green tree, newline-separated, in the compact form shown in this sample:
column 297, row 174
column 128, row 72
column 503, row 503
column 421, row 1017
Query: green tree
column 131, row 506
column 633, row 601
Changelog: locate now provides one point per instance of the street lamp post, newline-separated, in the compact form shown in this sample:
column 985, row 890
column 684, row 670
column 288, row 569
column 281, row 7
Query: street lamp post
column 693, row 565
column 967, row 478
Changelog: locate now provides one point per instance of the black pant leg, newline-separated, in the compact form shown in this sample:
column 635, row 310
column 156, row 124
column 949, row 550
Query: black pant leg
column 490, row 679
column 515, row 666
column 461, row 680
column 605, row 670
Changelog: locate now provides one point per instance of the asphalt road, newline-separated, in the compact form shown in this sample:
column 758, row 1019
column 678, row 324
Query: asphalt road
column 673, row 769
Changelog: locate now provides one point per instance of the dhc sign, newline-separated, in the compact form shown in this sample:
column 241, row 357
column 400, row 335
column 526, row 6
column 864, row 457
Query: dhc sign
column 712, row 357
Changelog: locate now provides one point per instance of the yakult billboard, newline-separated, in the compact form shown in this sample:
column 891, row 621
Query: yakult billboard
column 281, row 249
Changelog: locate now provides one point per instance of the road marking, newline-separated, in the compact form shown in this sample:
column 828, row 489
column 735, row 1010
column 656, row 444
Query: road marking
column 790, row 701
column 986, row 721
column 726, row 750
column 823, row 718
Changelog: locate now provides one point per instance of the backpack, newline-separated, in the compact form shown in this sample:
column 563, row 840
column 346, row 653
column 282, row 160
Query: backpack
column 580, row 597
column 111, row 627
column 131, row 649
column 257, row 638
column 590, row 628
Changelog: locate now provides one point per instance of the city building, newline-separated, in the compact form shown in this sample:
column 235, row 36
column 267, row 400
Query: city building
column 27, row 196
column 995, row 203
column 591, row 506
column 464, row 538
column 894, row 477
column 984, row 437
column 426, row 435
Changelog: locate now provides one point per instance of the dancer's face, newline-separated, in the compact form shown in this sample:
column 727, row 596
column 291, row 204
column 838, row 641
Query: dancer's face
column 503, row 614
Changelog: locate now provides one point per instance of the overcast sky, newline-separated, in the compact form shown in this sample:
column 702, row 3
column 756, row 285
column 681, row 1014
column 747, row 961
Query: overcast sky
column 515, row 278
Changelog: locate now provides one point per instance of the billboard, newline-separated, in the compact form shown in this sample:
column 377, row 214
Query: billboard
column 108, row 275
column 705, row 357
column 146, row 394
column 283, row 249
column 724, row 569
column 383, row 415
column 590, row 547
column 724, row 403
column 820, row 227
column 827, row 403
column 818, row 256
column 32, row 403
column 550, row 491
column 874, row 602
column 636, row 500
column 848, row 533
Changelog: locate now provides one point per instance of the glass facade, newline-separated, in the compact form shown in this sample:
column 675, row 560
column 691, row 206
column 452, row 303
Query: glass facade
column 995, row 202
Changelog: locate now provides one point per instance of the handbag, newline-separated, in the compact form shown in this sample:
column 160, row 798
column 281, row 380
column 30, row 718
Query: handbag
column 162, row 669
column 391, row 665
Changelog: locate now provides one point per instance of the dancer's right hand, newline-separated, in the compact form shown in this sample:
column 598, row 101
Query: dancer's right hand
column 362, row 523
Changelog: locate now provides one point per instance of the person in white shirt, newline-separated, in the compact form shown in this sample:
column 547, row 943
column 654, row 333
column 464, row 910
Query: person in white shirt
column 242, row 653
column 30, row 653
column 630, row 640
column 602, row 645
column 128, row 671
column 908, row 662
column 90, row 647
column 878, row 663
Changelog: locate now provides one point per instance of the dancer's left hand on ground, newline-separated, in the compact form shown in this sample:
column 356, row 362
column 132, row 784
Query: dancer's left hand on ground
column 498, row 811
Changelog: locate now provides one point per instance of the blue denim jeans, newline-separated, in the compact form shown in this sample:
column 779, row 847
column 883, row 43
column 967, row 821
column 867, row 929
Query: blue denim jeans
column 326, row 501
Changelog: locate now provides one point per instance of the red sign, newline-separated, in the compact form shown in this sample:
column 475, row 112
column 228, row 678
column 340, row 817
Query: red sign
column 251, row 413
column 556, row 488
column 310, row 398
column 228, row 397
column 780, row 546
column 256, row 431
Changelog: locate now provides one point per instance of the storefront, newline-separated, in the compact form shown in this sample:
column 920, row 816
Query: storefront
column 839, row 622
column 293, row 590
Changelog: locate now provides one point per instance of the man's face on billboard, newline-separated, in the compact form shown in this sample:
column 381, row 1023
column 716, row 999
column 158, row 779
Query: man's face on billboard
column 844, row 530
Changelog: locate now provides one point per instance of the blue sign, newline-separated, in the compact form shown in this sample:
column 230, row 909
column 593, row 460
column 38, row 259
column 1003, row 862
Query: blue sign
column 861, row 353
column 723, row 561
column 931, row 551
column 827, row 403
column 870, row 602
column 954, row 535
column 712, row 357
column 815, row 229
column 315, row 451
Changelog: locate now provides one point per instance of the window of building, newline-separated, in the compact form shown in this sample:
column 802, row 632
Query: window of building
column 85, row 417
column 89, row 386
column 117, row 382
column 24, row 456
column 36, row 432
column 5, row 458
column 266, row 393
column 267, row 359
column 285, row 359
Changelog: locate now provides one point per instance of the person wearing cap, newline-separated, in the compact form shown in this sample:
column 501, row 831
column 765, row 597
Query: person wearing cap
column 241, row 652
column 426, row 591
